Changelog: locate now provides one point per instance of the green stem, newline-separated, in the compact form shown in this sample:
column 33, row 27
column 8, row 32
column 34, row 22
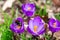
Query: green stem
column 34, row 38
column 16, row 36
column 52, row 35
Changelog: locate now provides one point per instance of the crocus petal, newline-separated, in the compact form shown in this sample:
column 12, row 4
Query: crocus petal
column 28, row 13
column 37, row 22
column 51, row 27
column 30, row 31
column 14, row 26
column 41, row 26
column 31, row 24
column 28, row 9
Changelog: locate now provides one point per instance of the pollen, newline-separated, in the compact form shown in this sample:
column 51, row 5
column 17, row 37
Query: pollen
column 18, row 27
column 35, row 28
column 54, row 24
column 29, row 8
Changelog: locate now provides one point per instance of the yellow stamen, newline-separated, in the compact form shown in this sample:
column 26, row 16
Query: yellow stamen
column 18, row 27
column 35, row 28
column 54, row 24
column 29, row 8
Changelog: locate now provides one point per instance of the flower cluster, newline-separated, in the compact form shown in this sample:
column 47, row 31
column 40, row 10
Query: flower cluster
column 36, row 26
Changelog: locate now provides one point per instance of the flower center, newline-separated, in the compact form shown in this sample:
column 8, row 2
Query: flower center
column 18, row 27
column 54, row 24
column 35, row 28
column 29, row 8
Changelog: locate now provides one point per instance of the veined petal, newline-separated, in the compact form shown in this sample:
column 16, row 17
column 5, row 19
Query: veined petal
column 36, row 26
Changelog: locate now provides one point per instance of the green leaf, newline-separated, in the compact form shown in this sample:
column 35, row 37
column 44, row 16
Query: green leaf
column 7, row 19
column 45, row 13
column 57, row 16
column 23, row 36
column 47, row 37
column 37, row 10
column 41, row 11
column 7, row 35
column 5, row 28
column 13, row 13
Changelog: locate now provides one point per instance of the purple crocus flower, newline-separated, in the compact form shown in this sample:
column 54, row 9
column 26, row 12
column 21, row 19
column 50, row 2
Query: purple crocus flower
column 28, row 9
column 17, row 25
column 36, row 26
column 54, row 25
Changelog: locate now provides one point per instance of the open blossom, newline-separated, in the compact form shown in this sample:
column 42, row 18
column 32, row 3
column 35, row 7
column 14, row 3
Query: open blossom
column 28, row 9
column 54, row 25
column 17, row 25
column 36, row 26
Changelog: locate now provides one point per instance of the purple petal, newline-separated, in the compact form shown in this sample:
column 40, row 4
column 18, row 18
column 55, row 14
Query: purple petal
column 57, row 28
column 27, row 12
column 37, row 21
column 14, row 25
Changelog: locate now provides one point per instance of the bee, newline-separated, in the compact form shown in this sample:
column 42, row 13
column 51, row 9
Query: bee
column 19, row 24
